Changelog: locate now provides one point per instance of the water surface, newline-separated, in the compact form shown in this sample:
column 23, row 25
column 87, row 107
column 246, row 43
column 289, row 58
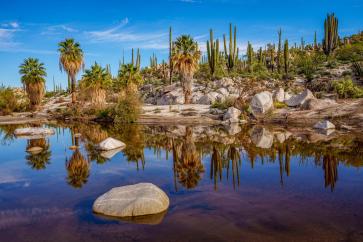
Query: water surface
column 224, row 184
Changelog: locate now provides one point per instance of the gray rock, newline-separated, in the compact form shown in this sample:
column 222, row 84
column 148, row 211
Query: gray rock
column 133, row 200
column 314, row 104
column 111, row 144
column 261, row 103
column 279, row 95
column 232, row 115
column 224, row 82
column 300, row 99
column 223, row 91
column 324, row 125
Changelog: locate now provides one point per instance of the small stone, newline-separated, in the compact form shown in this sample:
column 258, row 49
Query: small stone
column 279, row 95
column 324, row 125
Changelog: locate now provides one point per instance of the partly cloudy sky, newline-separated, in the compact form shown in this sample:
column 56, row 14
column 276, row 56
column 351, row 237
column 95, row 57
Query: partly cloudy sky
column 106, row 29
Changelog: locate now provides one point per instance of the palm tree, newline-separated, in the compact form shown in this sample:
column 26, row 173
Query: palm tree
column 128, row 77
column 185, row 61
column 95, row 81
column 33, row 73
column 71, row 61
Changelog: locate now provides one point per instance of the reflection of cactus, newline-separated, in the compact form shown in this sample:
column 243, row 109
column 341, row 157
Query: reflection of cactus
column 331, row 38
column 213, row 53
column 231, row 55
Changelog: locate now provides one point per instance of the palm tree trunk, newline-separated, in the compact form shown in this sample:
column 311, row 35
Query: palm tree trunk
column 187, row 89
column 73, row 89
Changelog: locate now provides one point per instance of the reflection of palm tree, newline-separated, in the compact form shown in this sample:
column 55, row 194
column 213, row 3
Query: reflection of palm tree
column 38, row 161
column 330, row 166
column 189, row 166
column 234, row 156
column 78, row 170
column 216, row 166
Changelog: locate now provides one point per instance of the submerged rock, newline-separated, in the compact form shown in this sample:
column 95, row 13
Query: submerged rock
column 300, row 99
column 261, row 103
column 133, row 200
column 33, row 132
column 111, row 144
column 324, row 125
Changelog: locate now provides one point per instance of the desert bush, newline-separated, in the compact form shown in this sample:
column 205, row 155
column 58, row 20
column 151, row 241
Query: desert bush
column 8, row 101
column 128, row 108
column 350, row 53
column 345, row 88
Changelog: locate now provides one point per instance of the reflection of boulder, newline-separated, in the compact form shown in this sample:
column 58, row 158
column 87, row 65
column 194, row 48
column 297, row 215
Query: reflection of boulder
column 33, row 133
column 110, row 153
column 233, row 128
column 282, row 136
column 261, row 137
column 152, row 219
column 132, row 200
column 35, row 150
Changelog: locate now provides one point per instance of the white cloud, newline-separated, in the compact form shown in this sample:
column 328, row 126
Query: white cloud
column 7, row 38
column 129, row 36
column 58, row 29
column 13, row 24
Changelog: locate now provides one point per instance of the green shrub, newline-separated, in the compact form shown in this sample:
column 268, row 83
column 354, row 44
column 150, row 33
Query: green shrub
column 8, row 101
column 128, row 108
column 228, row 102
column 279, row 105
column 345, row 88
column 350, row 53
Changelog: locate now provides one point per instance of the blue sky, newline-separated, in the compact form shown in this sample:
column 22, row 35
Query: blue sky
column 106, row 28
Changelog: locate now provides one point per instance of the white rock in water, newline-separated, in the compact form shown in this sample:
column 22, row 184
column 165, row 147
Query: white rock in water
column 111, row 144
column 279, row 95
column 300, row 99
column 133, row 200
column 33, row 132
column 261, row 103
column 325, row 125
column 232, row 115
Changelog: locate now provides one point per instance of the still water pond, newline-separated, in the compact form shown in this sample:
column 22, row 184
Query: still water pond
column 235, row 184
